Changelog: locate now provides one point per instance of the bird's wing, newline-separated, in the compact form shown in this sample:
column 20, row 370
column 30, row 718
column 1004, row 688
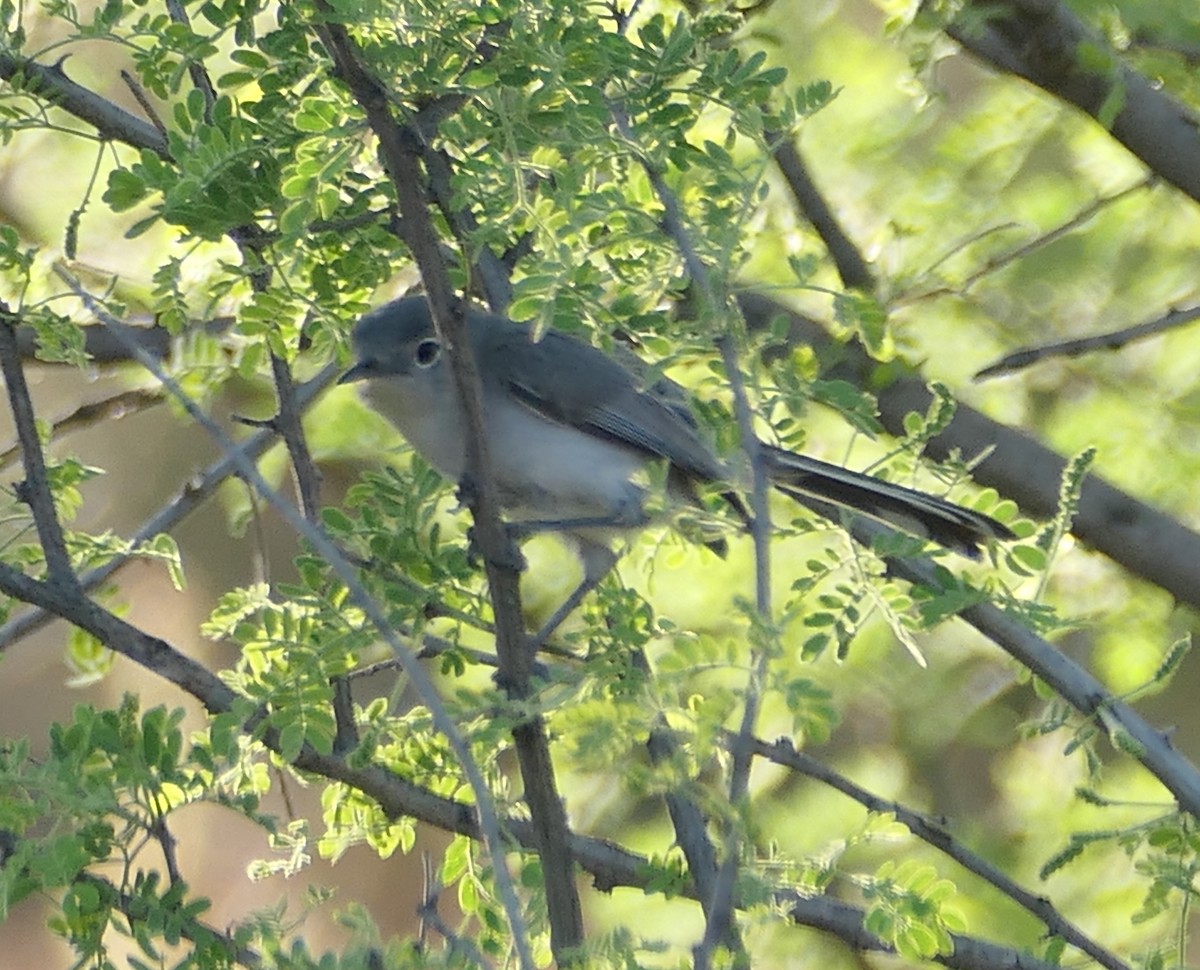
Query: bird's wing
column 572, row 383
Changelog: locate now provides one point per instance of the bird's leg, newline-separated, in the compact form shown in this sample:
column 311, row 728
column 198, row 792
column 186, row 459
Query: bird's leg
column 598, row 561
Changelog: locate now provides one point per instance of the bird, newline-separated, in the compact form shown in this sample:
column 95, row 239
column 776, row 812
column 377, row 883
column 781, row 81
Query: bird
column 570, row 429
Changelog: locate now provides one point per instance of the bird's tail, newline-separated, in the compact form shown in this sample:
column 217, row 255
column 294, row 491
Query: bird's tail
column 927, row 516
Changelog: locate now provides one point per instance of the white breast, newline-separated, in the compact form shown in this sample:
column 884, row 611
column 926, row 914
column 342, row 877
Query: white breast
column 545, row 471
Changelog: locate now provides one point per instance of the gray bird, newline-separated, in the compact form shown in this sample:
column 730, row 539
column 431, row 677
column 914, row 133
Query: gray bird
column 569, row 429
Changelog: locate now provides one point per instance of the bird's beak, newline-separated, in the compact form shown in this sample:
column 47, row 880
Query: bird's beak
column 359, row 372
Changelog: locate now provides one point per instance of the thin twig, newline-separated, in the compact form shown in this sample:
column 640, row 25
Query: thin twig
column 1113, row 340
column 287, row 423
column 190, row 929
column 116, row 406
column 687, row 819
column 485, row 806
column 400, row 150
column 1069, row 680
column 432, row 646
column 34, row 491
column 166, row 841
column 140, row 96
column 784, row 753
column 191, row 498
column 432, row 919
column 1017, row 253
column 719, row 928
column 430, row 884
column 196, row 69
column 720, row 920
column 1084, row 215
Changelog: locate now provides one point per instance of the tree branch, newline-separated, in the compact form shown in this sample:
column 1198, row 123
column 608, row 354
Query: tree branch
column 1045, row 43
column 613, row 866
column 1145, row 541
column 853, row 269
column 610, row 865
column 287, row 423
column 34, row 491
column 1128, row 730
column 1114, row 340
column 93, row 412
column 719, row 926
column 399, row 148
column 121, row 637
column 784, row 753
column 109, row 120
column 191, row 929
column 194, row 494
column 687, row 819
column 847, row 923
column 196, row 70
column 102, row 348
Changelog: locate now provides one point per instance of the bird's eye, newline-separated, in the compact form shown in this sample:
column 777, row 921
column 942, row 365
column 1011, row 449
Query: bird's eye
column 427, row 353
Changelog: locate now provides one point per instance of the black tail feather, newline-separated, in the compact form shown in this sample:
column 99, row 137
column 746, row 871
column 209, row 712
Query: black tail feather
column 962, row 530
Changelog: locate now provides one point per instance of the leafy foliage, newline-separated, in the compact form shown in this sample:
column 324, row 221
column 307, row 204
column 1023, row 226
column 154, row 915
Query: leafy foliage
column 551, row 133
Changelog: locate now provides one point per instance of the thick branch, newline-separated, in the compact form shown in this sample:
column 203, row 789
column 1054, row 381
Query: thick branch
column 846, row 922
column 1144, row 540
column 851, row 266
column 491, row 272
column 92, row 413
column 109, row 120
column 150, row 652
column 99, row 345
column 1043, row 42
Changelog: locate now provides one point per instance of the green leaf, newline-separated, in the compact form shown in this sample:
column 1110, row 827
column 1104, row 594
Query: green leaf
column 1061, row 859
column 125, row 190
column 868, row 319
